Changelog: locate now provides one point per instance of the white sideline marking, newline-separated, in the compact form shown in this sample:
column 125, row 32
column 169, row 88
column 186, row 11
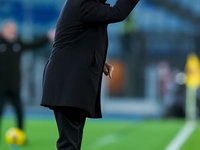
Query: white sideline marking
column 106, row 140
column 182, row 136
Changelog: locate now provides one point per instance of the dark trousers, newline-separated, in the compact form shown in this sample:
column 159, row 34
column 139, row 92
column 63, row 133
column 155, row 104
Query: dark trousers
column 15, row 101
column 70, row 123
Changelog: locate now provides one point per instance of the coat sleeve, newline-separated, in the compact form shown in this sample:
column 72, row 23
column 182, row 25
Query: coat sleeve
column 35, row 44
column 94, row 12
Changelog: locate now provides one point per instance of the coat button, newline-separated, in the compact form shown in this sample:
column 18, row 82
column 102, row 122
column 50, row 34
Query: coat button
column 3, row 48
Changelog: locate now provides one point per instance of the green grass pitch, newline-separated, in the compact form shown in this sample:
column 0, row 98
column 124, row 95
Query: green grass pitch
column 106, row 135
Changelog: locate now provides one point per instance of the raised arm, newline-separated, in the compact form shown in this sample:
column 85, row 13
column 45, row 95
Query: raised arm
column 41, row 41
column 35, row 44
column 92, row 11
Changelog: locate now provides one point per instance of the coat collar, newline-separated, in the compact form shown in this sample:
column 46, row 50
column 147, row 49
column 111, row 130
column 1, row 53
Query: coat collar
column 103, row 2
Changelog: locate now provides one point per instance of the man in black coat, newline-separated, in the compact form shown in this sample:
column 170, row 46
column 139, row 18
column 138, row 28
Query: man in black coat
column 73, row 74
column 11, row 49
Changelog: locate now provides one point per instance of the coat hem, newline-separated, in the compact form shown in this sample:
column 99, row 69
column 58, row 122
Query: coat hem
column 88, row 116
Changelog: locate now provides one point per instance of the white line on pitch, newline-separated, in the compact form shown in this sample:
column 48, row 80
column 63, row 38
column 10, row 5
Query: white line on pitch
column 182, row 136
column 106, row 140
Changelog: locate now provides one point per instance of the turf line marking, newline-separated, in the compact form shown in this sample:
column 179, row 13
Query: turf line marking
column 182, row 136
column 106, row 140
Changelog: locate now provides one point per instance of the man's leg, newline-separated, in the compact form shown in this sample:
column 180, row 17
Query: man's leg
column 2, row 103
column 70, row 122
column 17, row 104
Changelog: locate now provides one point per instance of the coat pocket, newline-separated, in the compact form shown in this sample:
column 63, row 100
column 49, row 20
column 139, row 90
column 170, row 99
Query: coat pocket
column 96, row 67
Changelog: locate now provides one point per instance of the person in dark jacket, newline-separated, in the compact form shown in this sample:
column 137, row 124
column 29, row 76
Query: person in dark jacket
column 73, row 74
column 11, row 49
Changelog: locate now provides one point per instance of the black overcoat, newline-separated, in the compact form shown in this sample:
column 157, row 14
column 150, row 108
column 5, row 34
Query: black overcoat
column 10, row 56
column 73, row 74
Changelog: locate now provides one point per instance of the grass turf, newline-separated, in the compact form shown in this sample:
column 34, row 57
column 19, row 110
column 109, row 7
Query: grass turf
column 106, row 135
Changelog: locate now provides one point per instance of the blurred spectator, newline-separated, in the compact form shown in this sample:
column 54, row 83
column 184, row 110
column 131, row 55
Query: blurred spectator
column 171, row 90
column 127, row 36
column 176, row 105
column 11, row 49
column 164, row 78
column 175, row 102
column 132, row 56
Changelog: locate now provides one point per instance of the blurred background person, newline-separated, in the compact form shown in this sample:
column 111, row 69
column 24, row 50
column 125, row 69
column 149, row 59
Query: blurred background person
column 11, row 49
column 175, row 95
column 164, row 79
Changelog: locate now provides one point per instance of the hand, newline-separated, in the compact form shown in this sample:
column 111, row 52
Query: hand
column 51, row 34
column 108, row 69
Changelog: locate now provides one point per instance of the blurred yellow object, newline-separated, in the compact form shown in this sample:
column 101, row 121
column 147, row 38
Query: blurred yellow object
column 15, row 136
column 193, row 71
